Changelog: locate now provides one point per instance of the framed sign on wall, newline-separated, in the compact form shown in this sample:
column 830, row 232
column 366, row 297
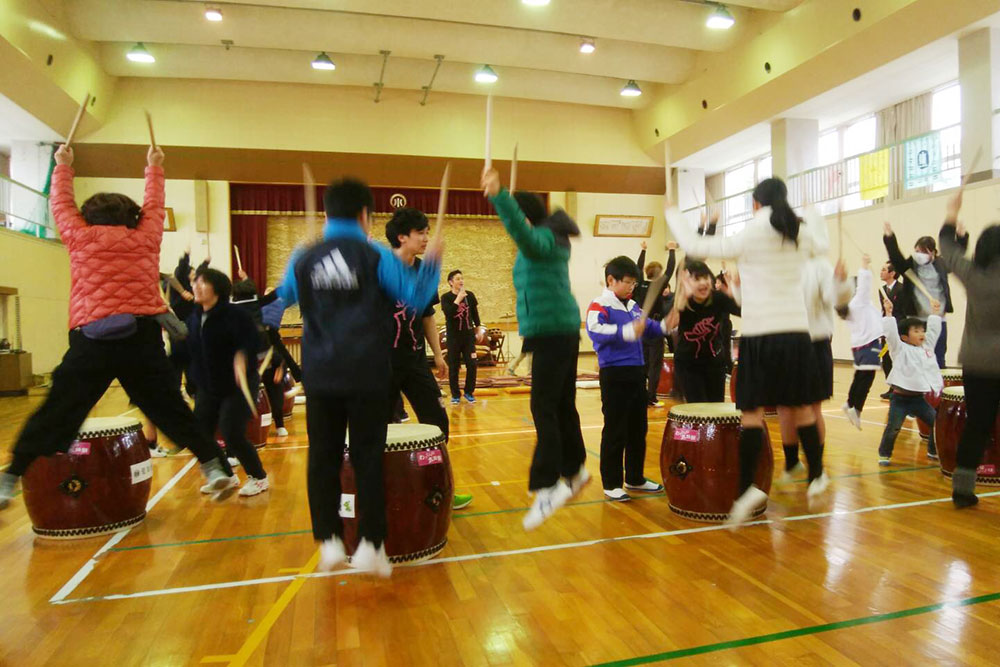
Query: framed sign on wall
column 623, row 225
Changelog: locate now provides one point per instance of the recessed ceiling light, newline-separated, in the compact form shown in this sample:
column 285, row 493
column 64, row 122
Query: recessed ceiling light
column 322, row 61
column 485, row 74
column 139, row 54
column 587, row 46
column 720, row 19
column 213, row 14
column 631, row 89
column 535, row 3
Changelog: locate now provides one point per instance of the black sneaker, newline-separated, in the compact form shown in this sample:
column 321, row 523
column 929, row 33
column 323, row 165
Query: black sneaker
column 963, row 500
column 886, row 396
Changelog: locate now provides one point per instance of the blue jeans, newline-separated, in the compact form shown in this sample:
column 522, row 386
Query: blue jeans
column 901, row 407
column 942, row 345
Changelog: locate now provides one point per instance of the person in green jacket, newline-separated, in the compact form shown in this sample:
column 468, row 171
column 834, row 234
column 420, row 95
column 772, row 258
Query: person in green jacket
column 548, row 319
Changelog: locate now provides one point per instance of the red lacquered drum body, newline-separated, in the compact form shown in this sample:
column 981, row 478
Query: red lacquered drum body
column 952, row 378
column 700, row 461
column 666, row 383
column 948, row 428
column 416, row 472
column 259, row 427
column 287, row 384
column 481, row 337
column 100, row 486
column 769, row 410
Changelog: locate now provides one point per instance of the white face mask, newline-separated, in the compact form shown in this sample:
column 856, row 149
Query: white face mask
column 921, row 259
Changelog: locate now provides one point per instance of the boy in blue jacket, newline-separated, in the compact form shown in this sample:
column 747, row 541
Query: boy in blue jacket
column 615, row 325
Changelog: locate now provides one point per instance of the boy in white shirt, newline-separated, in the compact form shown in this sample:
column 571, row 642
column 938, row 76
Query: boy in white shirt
column 914, row 373
column 862, row 317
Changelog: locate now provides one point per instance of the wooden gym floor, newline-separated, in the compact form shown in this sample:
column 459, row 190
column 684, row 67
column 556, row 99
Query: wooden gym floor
column 882, row 571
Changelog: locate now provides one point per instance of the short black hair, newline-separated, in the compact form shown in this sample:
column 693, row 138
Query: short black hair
column 403, row 221
column 988, row 247
column 112, row 209
column 926, row 243
column 890, row 268
column 619, row 267
column 698, row 269
column 908, row 323
column 219, row 281
column 346, row 198
column 454, row 273
column 531, row 205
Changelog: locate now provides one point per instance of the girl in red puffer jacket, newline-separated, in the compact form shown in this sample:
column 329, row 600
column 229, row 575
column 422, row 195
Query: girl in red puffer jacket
column 114, row 250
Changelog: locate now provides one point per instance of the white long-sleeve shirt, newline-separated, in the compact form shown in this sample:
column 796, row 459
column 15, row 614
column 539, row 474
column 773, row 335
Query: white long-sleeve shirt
column 863, row 315
column 770, row 266
column 822, row 294
column 914, row 368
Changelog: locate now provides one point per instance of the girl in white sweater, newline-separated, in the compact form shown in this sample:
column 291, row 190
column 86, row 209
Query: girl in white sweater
column 863, row 318
column 777, row 363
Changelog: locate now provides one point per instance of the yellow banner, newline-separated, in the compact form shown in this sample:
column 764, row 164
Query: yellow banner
column 874, row 168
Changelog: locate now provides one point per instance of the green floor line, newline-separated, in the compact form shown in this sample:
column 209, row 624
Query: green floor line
column 469, row 515
column 798, row 632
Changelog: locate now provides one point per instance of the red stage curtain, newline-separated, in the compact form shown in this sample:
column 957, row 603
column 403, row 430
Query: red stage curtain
column 249, row 234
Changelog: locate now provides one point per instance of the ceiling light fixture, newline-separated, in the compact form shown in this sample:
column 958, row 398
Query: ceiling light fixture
column 587, row 46
column 322, row 61
column 720, row 19
column 139, row 54
column 535, row 3
column 485, row 74
column 631, row 89
column 213, row 14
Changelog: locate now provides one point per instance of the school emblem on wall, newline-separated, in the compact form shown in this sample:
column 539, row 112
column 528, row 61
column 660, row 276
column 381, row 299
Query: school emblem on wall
column 397, row 200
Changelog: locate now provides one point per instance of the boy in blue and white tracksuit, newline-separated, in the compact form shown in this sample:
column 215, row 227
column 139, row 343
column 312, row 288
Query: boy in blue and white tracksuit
column 614, row 325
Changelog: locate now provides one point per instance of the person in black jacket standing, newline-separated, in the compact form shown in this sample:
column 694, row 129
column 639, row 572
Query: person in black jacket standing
column 461, row 312
column 346, row 286
column 652, row 349
column 892, row 290
column 223, row 344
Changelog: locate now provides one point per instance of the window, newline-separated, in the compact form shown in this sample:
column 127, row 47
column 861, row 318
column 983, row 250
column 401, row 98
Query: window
column 946, row 116
column 859, row 137
column 763, row 168
column 740, row 179
column 946, row 107
column 829, row 147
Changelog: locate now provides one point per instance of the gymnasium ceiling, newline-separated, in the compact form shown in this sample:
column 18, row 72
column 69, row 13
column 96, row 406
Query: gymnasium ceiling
column 534, row 50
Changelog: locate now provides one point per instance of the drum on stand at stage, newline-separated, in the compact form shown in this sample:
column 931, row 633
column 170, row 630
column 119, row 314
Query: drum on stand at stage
column 948, row 428
column 99, row 486
column 666, row 384
column 259, row 427
column 700, row 461
column 770, row 410
column 481, row 336
column 288, row 402
column 952, row 378
column 416, row 472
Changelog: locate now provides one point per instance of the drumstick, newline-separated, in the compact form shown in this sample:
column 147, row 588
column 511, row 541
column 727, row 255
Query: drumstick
column 76, row 121
column 149, row 122
column 239, row 264
column 654, row 290
column 310, row 200
column 911, row 275
column 489, row 130
column 442, row 205
column 267, row 360
column 666, row 172
column 972, row 167
column 840, row 230
column 513, row 170
column 855, row 243
column 245, row 389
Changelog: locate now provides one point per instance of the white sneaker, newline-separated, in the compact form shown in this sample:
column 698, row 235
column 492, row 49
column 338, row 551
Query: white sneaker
column 744, row 506
column 331, row 554
column 853, row 415
column 294, row 391
column 579, row 480
column 281, row 432
column 253, row 486
column 547, row 501
column 300, row 400
column 367, row 559
column 617, row 495
column 789, row 476
column 818, row 485
column 234, row 462
column 649, row 486
column 221, row 484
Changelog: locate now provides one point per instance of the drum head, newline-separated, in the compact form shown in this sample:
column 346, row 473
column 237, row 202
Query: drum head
column 705, row 412
column 96, row 427
column 668, row 355
column 952, row 374
column 954, row 393
column 403, row 433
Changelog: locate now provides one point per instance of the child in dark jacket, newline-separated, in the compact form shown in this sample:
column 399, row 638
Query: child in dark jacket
column 615, row 325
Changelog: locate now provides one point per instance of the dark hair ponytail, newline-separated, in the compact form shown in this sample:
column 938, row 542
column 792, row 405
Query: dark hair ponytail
column 772, row 192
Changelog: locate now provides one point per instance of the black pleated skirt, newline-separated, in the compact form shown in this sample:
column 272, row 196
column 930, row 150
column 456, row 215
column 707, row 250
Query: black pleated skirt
column 778, row 369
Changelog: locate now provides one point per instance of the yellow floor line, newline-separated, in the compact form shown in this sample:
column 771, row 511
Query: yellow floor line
column 261, row 631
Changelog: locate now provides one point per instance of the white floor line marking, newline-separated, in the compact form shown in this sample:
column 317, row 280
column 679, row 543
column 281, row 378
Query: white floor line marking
column 512, row 552
column 88, row 567
column 866, row 421
column 531, row 430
